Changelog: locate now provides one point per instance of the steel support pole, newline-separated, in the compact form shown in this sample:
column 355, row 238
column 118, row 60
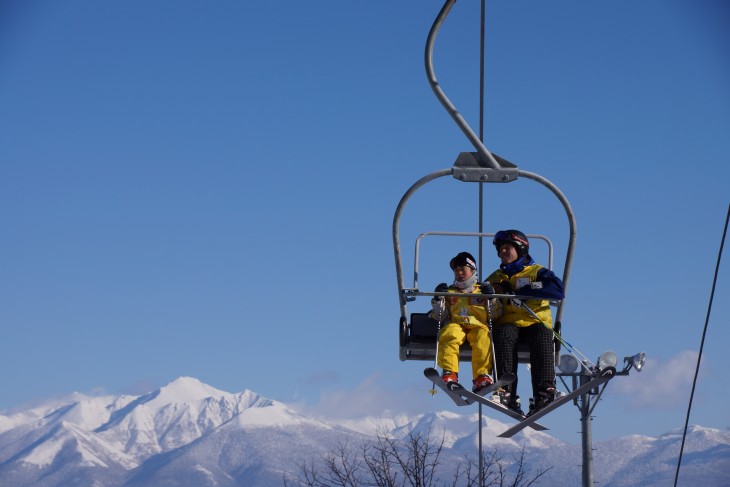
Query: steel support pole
column 586, row 435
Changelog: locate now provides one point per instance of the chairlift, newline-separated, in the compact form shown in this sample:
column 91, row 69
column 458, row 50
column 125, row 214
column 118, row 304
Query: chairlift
column 417, row 332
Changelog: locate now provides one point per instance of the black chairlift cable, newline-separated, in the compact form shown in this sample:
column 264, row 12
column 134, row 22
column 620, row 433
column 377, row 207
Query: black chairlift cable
column 702, row 345
column 481, row 123
column 481, row 206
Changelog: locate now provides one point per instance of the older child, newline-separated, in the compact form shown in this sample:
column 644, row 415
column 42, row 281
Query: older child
column 519, row 274
column 466, row 319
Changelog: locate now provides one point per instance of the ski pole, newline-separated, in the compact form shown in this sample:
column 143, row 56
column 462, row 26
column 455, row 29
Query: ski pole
column 491, row 338
column 573, row 351
column 433, row 390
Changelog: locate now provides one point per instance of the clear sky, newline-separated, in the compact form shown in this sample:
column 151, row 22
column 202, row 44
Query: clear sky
column 207, row 189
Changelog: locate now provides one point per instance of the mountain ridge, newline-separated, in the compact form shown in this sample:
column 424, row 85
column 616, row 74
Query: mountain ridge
column 189, row 433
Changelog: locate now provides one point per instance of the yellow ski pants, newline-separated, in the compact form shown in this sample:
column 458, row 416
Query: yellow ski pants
column 451, row 338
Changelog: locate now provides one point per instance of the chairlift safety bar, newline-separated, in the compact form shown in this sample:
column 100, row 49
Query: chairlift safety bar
column 473, row 234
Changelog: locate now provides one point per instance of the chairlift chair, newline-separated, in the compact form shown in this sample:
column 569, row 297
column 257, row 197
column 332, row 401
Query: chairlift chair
column 418, row 333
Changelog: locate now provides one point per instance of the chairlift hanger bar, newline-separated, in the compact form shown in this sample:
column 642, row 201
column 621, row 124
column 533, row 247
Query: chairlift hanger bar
column 483, row 153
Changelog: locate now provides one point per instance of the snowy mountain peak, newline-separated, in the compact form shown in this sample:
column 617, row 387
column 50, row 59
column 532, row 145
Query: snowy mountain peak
column 187, row 389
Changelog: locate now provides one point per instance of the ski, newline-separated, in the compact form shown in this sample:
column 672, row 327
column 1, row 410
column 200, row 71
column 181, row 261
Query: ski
column 451, row 389
column 472, row 398
column 605, row 375
column 433, row 375
column 464, row 397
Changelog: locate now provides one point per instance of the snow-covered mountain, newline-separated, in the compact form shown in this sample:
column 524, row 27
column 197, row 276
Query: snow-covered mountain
column 190, row 434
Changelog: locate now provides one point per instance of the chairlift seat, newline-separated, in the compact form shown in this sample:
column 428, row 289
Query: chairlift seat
column 418, row 341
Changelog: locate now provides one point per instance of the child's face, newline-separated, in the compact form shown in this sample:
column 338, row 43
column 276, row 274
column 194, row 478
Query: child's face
column 507, row 253
column 462, row 273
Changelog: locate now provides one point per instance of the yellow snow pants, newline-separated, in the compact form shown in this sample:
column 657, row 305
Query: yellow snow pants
column 451, row 338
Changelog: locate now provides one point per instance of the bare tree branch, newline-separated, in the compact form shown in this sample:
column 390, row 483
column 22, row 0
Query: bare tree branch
column 413, row 461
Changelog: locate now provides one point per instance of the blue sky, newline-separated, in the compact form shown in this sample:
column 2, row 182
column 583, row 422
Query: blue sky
column 207, row 189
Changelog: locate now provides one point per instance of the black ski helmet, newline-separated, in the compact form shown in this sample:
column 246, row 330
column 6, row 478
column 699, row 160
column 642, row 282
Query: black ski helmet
column 463, row 259
column 514, row 237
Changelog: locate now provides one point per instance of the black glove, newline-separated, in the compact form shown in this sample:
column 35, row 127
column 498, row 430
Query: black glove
column 506, row 287
column 442, row 288
column 487, row 288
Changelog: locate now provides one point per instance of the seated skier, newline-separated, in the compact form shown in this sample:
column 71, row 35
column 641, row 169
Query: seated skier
column 519, row 274
column 465, row 318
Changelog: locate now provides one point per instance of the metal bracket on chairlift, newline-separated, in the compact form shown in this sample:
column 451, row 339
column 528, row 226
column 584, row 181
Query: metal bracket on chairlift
column 469, row 167
column 408, row 294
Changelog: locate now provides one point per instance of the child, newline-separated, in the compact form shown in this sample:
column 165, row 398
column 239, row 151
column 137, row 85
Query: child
column 465, row 318
column 519, row 274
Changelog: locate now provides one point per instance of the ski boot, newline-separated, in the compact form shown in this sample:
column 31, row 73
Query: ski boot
column 451, row 378
column 505, row 398
column 481, row 382
column 544, row 398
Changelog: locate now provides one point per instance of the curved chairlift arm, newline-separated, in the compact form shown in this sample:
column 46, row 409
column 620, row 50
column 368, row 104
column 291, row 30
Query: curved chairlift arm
column 486, row 156
column 572, row 227
column 396, row 233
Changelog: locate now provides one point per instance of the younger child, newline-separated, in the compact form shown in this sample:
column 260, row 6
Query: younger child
column 466, row 319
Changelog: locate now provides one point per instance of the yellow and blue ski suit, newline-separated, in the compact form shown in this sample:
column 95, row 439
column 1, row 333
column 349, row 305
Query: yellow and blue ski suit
column 514, row 314
column 526, row 278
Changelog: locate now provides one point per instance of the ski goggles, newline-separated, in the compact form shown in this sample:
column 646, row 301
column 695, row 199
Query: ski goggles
column 506, row 236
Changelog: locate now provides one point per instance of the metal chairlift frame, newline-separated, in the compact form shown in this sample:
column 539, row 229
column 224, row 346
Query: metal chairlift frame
column 481, row 166
column 414, row 340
